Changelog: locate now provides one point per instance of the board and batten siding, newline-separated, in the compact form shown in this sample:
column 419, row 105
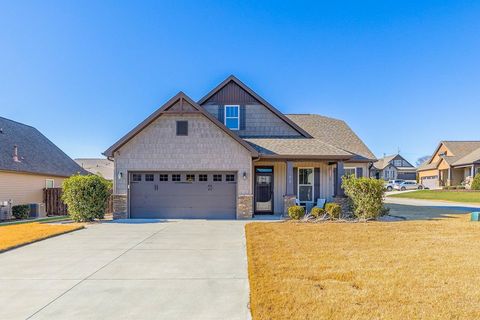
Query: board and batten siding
column 24, row 188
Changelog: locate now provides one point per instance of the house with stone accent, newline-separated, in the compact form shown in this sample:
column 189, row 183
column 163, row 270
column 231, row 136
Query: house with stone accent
column 451, row 164
column 393, row 167
column 231, row 155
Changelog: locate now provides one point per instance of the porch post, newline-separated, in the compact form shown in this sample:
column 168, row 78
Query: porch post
column 449, row 181
column 340, row 172
column 289, row 196
column 289, row 190
column 472, row 171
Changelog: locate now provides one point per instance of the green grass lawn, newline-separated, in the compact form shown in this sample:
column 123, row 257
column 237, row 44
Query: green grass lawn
column 473, row 197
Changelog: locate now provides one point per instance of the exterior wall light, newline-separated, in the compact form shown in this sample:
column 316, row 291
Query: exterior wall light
column 244, row 175
column 120, row 175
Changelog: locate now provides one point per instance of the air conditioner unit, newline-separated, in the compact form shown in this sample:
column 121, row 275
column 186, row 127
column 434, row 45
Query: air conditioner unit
column 37, row 210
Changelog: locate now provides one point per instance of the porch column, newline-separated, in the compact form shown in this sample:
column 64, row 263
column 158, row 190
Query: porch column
column 472, row 171
column 340, row 172
column 289, row 190
column 289, row 196
column 449, row 180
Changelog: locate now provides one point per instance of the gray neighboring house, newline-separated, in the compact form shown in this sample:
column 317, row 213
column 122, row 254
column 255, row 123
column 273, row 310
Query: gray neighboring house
column 231, row 155
column 99, row 166
column 29, row 163
column 393, row 167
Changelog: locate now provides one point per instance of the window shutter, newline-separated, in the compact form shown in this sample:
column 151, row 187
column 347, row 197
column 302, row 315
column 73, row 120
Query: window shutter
column 359, row 172
column 295, row 181
column 221, row 114
column 316, row 184
column 242, row 117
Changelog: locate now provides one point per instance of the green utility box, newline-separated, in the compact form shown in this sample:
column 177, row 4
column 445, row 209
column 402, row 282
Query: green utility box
column 475, row 216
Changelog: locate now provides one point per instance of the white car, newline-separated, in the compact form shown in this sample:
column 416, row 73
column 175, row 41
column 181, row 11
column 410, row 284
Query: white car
column 391, row 183
column 408, row 185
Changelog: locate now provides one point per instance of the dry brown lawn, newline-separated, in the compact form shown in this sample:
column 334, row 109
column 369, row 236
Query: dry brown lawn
column 20, row 234
column 378, row 270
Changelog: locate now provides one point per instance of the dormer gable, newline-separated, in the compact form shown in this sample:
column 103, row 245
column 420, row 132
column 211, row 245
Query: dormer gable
column 246, row 113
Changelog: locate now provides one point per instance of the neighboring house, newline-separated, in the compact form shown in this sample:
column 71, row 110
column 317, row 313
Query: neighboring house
column 393, row 167
column 99, row 166
column 29, row 162
column 230, row 155
column 452, row 163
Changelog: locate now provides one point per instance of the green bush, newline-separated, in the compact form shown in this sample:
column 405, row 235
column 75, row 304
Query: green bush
column 21, row 211
column 366, row 195
column 296, row 212
column 461, row 187
column 317, row 212
column 476, row 182
column 333, row 210
column 86, row 196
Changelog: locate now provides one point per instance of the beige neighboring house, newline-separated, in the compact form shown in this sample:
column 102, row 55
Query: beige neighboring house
column 452, row 163
column 29, row 162
column 99, row 166
column 231, row 155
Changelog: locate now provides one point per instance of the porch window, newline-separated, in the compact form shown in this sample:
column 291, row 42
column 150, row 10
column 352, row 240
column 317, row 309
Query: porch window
column 232, row 117
column 305, row 185
column 350, row 171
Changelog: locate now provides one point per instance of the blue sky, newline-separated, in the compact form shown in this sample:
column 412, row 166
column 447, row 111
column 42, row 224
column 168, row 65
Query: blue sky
column 403, row 74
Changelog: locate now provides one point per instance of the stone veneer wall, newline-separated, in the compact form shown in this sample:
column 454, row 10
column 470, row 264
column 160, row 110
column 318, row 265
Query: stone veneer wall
column 245, row 206
column 288, row 201
column 120, row 206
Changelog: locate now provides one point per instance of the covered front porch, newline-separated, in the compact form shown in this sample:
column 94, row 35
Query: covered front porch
column 278, row 184
column 454, row 176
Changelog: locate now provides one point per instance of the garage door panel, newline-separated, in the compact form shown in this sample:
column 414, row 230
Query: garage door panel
column 176, row 200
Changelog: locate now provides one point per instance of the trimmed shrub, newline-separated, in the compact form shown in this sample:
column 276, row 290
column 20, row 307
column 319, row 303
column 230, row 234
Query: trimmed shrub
column 296, row 212
column 476, row 182
column 317, row 212
column 21, row 212
column 86, row 197
column 333, row 210
column 366, row 195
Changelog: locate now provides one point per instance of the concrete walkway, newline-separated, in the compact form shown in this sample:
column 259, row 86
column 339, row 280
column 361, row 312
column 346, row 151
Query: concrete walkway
column 163, row 270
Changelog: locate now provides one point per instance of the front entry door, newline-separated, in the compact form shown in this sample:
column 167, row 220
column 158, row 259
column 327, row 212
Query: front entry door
column 264, row 190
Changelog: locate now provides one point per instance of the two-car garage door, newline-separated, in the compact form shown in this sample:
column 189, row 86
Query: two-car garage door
column 183, row 195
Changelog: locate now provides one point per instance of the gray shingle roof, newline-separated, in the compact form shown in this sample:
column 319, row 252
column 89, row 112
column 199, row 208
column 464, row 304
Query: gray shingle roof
column 296, row 147
column 333, row 132
column 36, row 153
column 383, row 162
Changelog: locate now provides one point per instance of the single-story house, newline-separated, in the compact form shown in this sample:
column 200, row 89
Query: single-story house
column 99, row 166
column 393, row 167
column 452, row 163
column 29, row 162
column 230, row 155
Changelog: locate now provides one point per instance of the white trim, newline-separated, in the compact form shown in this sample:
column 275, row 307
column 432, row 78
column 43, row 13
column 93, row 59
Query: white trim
column 298, row 184
column 225, row 115
column 354, row 169
column 53, row 183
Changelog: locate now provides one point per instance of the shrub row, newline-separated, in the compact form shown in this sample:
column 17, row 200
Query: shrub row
column 333, row 210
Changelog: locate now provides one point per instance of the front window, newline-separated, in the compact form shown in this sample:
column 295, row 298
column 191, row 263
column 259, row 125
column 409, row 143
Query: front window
column 305, row 185
column 397, row 163
column 232, row 117
column 350, row 171
column 49, row 183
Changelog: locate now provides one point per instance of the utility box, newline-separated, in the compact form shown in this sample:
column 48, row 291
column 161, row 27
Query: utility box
column 475, row 216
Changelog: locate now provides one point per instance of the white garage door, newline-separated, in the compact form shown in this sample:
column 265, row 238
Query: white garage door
column 430, row 182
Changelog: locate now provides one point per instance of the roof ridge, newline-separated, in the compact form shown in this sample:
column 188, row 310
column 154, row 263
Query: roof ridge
column 313, row 114
column 17, row 122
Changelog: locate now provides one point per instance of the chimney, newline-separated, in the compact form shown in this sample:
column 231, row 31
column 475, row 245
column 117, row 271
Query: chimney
column 15, row 154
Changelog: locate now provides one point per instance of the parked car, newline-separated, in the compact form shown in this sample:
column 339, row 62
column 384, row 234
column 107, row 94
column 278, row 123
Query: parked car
column 408, row 185
column 391, row 183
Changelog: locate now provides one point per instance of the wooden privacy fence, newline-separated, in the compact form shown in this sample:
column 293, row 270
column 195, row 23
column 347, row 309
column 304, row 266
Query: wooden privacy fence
column 54, row 206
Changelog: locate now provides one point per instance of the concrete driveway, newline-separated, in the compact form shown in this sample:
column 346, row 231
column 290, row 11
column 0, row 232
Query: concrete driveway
column 164, row 270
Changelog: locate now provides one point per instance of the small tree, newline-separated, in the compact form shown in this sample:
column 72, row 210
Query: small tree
column 476, row 182
column 86, row 196
column 366, row 195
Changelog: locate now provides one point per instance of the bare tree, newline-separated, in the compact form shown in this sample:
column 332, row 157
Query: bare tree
column 422, row 160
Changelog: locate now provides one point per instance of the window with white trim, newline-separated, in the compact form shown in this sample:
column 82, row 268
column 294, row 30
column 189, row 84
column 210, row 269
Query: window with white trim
column 232, row 117
column 49, row 183
column 305, row 185
column 350, row 171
